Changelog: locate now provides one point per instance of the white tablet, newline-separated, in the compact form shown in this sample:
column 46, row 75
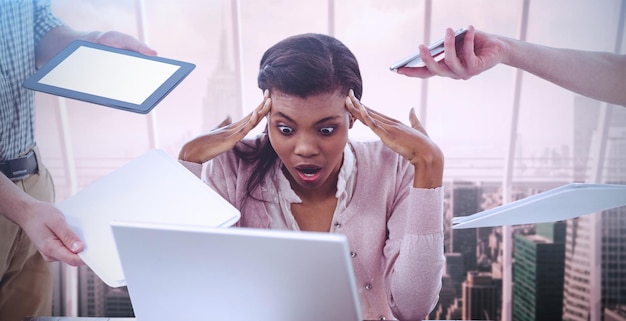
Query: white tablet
column 109, row 76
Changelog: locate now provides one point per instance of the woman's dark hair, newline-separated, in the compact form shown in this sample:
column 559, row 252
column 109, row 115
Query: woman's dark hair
column 302, row 65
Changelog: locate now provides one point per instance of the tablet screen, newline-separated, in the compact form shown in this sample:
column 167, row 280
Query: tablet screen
column 109, row 76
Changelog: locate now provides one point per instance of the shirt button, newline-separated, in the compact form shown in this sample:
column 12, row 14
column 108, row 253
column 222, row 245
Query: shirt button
column 353, row 254
column 368, row 286
column 337, row 225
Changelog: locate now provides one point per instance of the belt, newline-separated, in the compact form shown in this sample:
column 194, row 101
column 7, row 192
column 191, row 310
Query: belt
column 21, row 167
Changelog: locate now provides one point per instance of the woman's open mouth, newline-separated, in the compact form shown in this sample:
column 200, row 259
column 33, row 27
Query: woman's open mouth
column 308, row 173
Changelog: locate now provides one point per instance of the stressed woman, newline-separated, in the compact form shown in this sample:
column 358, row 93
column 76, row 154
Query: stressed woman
column 304, row 173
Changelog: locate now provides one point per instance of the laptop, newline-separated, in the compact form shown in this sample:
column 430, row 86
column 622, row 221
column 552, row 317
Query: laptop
column 178, row 272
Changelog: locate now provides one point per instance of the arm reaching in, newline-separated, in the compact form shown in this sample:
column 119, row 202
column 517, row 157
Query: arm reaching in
column 43, row 223
column 599, row 75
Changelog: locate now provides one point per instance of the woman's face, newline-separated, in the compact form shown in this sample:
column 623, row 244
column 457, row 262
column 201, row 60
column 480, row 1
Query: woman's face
column 309, row 135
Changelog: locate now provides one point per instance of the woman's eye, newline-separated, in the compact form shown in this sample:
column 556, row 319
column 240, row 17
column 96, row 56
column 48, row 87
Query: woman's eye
column 285, row 130
column 326, row 130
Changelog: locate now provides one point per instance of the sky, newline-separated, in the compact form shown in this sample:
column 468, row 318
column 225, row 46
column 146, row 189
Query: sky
column 465, row 118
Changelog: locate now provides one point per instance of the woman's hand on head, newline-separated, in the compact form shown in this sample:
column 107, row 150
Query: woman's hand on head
column 223, row 138
column 411, row 142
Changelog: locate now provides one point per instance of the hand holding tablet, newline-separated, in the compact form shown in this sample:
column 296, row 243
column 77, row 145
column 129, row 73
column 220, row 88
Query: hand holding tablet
column 109, row 76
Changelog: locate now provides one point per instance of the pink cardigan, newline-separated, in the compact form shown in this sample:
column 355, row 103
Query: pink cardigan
column 395, row 231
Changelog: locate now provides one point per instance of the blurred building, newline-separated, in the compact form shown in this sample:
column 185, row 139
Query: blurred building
column 465, row 199
column 455, row 312
column 480, row 297
column 455, row 270
column 447, row 297
column 585, row 122
column 57, row 289
column 223, row 90
column 606, row 164
column 96, row 299
column 538, row 273
column 615, row 314
column 451, row 286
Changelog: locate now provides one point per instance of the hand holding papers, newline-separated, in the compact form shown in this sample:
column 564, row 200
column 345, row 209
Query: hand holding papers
column 557, row 204
column 154, row 188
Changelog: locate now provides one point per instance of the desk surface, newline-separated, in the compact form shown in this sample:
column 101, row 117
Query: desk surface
column 78, row 319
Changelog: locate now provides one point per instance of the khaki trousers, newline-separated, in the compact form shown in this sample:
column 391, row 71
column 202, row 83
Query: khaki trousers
column 25, row 277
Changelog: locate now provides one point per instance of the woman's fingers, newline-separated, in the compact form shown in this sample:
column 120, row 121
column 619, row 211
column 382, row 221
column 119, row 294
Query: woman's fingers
column 245, row 125
column 227, row 121
column 365, row 115
column 415, row 122
column 222, row 139
column 411, row 142
column 257, row 115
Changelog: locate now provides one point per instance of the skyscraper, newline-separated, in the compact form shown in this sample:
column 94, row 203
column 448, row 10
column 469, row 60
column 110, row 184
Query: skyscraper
column 223, row 92
column 538, row 273
column 614, row 220
column 617, row 314
column 452, row 286
column 585, row 122
column 96, row 299
column 583, row 232
column 465, row 199
column 455, row 270
column 480, row 297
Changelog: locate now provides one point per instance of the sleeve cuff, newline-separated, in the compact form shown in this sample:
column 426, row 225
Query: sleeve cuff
column 427, row 211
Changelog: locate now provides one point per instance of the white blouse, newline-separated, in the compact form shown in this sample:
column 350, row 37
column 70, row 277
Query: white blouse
column 280, row 211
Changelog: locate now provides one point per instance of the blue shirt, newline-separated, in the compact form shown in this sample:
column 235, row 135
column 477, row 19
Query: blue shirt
column 22, row 24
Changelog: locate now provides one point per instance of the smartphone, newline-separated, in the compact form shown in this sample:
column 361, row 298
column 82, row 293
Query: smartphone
column 436, row 50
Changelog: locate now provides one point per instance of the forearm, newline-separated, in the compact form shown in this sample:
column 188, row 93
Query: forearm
column 43, row 223
column 429, row 169
column 414, row 277
column 599, row 75
column 415, row 281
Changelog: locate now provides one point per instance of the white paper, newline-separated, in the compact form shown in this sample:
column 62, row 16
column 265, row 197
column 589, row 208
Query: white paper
column 557, row 204
column 153, row 188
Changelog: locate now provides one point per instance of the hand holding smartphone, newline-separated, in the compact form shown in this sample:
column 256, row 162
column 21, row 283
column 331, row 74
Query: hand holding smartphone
column 436, row 50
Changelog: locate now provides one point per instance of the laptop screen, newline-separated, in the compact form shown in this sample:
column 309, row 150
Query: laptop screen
column 183, row 273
